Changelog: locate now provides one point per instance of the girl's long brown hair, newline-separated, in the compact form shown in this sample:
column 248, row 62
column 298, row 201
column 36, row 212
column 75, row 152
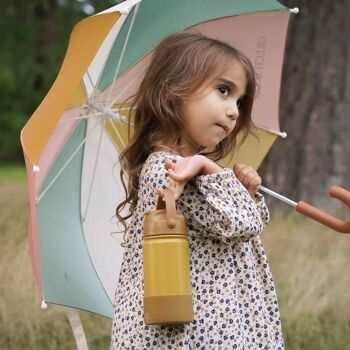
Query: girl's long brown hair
column 181, row 64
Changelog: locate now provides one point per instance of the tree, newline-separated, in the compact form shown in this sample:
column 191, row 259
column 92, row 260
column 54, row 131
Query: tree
column 315, row 105
column 34, row 38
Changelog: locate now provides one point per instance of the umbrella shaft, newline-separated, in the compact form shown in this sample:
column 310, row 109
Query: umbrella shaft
column 277, row 195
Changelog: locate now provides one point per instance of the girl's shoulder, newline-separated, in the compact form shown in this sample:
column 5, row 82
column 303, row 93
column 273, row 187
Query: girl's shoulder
column 153, row 171
column 155, row 163
column 160, row 157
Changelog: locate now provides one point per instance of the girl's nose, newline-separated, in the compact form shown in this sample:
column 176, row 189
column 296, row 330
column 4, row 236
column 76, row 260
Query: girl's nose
column 232, row 111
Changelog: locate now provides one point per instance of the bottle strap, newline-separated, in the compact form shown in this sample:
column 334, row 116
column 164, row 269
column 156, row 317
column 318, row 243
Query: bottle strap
column 169, row 205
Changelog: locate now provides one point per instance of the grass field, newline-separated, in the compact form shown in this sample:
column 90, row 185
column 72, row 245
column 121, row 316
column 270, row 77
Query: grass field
column 310, row 265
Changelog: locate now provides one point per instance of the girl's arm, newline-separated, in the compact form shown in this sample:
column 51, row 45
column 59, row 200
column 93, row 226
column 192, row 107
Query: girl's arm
column 226, row 209
column 187, row 168
column 248, row 177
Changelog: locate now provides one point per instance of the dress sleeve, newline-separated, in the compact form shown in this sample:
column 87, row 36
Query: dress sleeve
column 223, row 208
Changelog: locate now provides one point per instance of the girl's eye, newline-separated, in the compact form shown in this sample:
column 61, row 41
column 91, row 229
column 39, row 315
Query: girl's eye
column 240, row 103
column 224, row 90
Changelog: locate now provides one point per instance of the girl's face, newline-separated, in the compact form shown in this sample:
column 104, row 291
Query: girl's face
column 210, row 115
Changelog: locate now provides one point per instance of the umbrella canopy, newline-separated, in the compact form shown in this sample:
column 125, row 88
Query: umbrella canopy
column 72, row 140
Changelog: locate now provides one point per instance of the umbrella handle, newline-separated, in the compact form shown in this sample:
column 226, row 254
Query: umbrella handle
column 325, row 218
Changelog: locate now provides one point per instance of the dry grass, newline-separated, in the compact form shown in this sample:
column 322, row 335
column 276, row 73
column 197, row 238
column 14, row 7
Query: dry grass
column 308, row 261
column 309, row 264
column 23, row 325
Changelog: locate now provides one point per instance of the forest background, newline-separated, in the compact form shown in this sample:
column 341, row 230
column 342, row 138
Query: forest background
column 308, row 261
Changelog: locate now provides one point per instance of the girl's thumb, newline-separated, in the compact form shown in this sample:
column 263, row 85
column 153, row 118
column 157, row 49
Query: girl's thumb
column 169, row 165
column 174, row 176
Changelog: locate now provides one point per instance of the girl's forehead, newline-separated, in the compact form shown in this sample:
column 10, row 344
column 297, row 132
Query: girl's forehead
column 226, row 66
column 233, row 73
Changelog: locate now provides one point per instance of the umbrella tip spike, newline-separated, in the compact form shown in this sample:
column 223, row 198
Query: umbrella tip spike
column 43, row 305
column 294, row 10
column 124, row 11
column 36, row 169
column 284, row 135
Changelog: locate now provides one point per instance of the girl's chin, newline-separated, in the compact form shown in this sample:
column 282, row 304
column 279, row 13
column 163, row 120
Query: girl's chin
column 215, row 142
column 211, row 145
column 207, row 144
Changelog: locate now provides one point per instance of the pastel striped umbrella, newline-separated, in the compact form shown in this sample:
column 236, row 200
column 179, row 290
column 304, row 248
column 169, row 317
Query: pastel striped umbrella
column 72, row 140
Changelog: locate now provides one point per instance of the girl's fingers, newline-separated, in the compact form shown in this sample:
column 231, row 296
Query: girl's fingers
column 252, row 192
column 238, row 168
column 179, row 177
column 182, row 172
column 176, row 182
column 172, row 185
column 242, row 170
column 252, row 180
column 177, row 194
column 247, row 178
column 160, row 193
column 175, row 187
column 174, row 176
column 247, row 175
column 256, row 181
column 169, row 165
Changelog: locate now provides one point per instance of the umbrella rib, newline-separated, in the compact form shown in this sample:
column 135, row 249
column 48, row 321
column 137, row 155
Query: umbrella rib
column 121, row 20
column 132, row 81
column 43, row 193
column 83, row 116
column 95, row 90
column 93, row 174
column 123, row 50
column 118, row 134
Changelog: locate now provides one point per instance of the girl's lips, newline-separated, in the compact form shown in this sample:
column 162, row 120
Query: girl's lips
column 224, row 127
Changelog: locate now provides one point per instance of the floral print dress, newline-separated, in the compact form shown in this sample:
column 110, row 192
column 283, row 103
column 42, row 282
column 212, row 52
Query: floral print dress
column 234, row 297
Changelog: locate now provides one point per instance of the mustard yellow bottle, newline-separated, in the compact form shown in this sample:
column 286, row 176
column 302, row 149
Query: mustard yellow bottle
column 166, row 270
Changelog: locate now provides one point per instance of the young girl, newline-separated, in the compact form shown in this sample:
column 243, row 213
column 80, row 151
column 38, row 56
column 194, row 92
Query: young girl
column 196, row 96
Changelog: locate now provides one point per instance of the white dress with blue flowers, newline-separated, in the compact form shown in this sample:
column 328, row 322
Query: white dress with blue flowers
column 234, row 297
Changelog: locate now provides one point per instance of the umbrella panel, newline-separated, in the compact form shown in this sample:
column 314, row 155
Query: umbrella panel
column 77, row 190
column 68, row 276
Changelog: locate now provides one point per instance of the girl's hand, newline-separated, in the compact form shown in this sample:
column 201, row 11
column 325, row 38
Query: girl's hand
column 186, row 169
column 182, row 172
column 248, row 177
